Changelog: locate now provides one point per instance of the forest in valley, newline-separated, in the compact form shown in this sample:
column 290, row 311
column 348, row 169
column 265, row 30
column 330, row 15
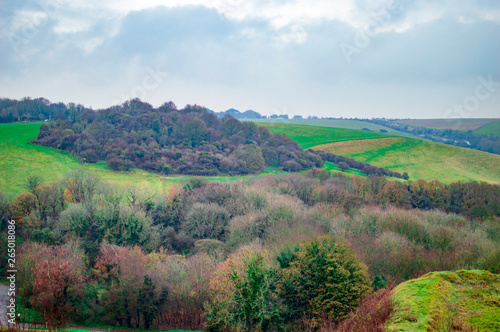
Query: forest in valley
column 310, row 249
column 276, row 252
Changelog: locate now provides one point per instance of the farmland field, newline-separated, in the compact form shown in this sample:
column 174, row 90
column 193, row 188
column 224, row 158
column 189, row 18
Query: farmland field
column 346, row 124
column 421, row 159
column 490, row 129
column 309, row 136
column 455, row 124
column 19, row 159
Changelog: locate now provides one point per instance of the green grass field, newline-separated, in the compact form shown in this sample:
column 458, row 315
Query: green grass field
column 455, row 124
column 19, row 159
column 346, row 124
column 490, row 129
column 309, row 136
column 447, row 301
column 420, row 159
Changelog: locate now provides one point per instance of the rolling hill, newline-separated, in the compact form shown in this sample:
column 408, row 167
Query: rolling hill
column 309, row 136
column 346, row 124
column 420, row 159
column 455, row 124
column 19, row 159
column 492, row 128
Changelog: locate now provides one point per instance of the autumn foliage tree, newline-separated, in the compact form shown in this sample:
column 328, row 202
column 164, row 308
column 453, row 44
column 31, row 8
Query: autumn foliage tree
column 59, row 277
column 243, row 293
column 133, row 293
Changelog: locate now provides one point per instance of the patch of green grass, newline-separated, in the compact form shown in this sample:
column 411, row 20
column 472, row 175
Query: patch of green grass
column 309, row 136
column 346, row 124
column 454, row 123
column 490, row 129
column 332, row 167
column 28, row 315
column 80, row 328
column 19, row 159
column 422, row 159
column 447, row 301
column 114, row 328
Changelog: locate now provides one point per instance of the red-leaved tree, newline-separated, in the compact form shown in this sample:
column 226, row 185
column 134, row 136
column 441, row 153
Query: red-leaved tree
column 58, row 283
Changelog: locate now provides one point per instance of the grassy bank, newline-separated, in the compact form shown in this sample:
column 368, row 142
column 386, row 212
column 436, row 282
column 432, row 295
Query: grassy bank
column 447, row 301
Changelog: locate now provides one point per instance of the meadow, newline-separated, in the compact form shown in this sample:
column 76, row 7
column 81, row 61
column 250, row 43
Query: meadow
column 420, row 159
column 455, row 124
column 309, row 136
column 20, row 159
column 346, row 124
column 490, row 129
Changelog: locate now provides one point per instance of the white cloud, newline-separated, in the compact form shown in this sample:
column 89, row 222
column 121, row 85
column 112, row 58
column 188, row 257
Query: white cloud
column 289, row 19
column 490, row 15
column 66, row 24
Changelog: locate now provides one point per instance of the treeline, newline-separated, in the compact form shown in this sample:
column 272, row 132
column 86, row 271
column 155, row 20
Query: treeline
column 38, row 109
column 239, row 256
column 486, row 143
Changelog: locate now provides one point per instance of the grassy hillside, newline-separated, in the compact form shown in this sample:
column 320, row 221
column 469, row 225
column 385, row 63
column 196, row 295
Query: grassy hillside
column 309, row 136
column 490, row 129
column 447, row 301
column 456, row 124
column 422, row 159
column 19, row 159
column 346, row 124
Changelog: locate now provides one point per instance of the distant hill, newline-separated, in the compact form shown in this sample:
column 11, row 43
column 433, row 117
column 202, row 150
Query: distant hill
column 450, row 131
column 454, row 123
column 339, row 123
column 250, row 114
column 420, row 159
column 492, row 128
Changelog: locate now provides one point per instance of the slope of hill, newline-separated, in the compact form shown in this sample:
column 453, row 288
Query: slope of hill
column 420, row 159
column 346, row 124
column 309, row 136
column 447, row 301
column 19, row 159
column 455, row 124
column 490, row 129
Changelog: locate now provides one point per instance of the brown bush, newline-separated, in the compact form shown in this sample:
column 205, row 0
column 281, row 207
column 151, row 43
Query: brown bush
column 371, row 314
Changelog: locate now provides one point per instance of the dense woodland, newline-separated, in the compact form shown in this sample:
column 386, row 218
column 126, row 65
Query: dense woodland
column 486, row 143
column 166, row 140
column 274, row 252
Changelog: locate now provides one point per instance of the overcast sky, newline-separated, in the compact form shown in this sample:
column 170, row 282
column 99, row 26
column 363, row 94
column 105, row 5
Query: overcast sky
column 350, row 58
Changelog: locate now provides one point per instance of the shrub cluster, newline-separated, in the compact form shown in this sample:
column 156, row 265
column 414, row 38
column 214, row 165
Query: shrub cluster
column 270, row 252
